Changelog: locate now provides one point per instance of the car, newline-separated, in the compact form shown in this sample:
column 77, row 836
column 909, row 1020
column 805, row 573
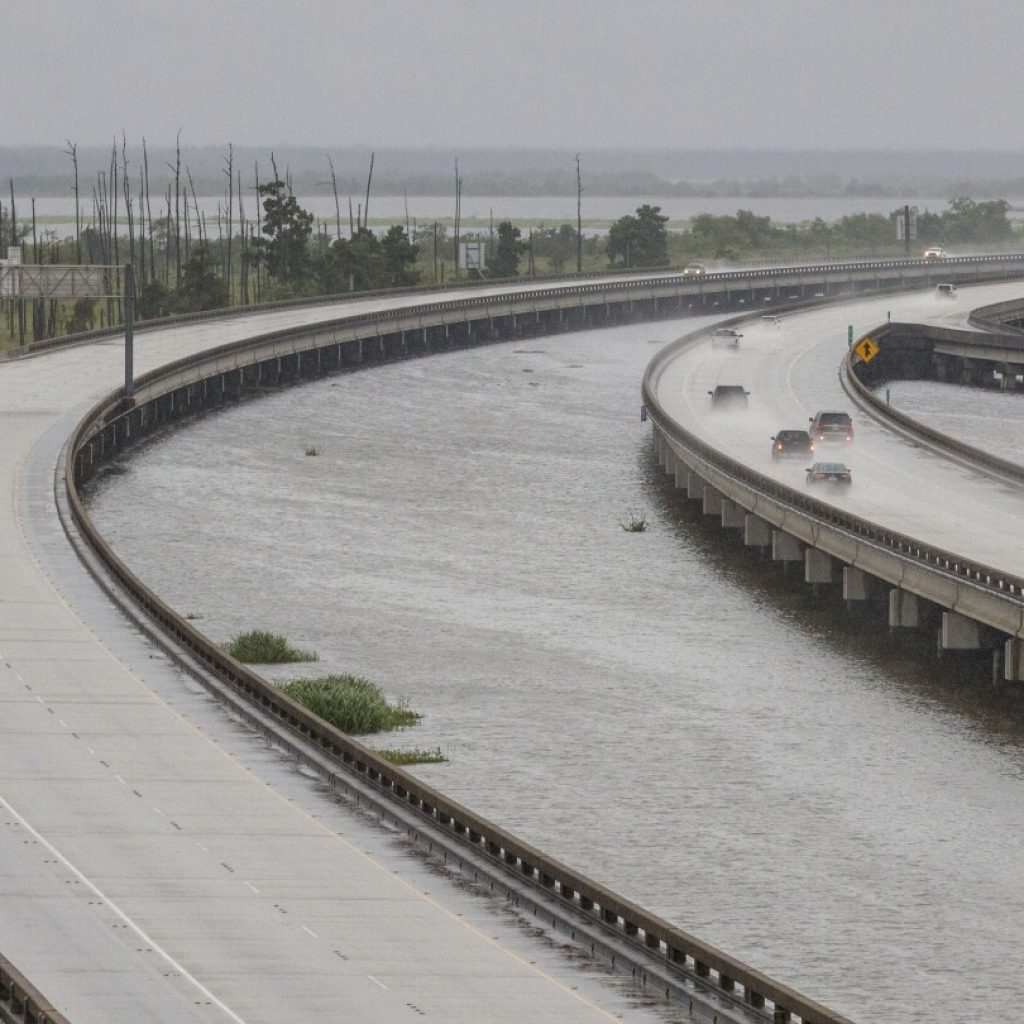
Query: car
column 729, row 395
column 787, row 443
column 771, row 320
column 831, row 426
column 694, row 270
column 725, row 336
column 945, row 291
column 934, row 252
column 829, row 473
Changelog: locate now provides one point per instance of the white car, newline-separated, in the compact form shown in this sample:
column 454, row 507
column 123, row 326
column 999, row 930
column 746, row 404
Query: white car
column 725, row 336
column 935, row 252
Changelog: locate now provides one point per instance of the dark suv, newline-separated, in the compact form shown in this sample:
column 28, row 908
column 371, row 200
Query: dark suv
column 787, row 443
column 831, row 426
column 729, row 395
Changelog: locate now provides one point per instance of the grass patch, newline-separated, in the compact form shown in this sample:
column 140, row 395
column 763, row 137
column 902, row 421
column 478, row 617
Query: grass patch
column 636, row 523
column 404, row 757
column 312, row 450
column 351, row 704
column 258, row 647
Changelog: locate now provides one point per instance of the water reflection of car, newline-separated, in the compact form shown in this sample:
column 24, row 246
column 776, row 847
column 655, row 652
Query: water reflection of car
column 694, row 270
column 789, row 443
column 772, row 320
column 829, row 473
column 729, row 395
column 725, row 336
column 934, row 252
column 831, row 426
column 945, row 291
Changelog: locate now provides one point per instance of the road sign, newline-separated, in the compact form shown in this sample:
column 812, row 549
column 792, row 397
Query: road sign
column 866, row 348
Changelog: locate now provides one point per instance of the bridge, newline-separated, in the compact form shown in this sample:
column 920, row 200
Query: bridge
column 131, row 810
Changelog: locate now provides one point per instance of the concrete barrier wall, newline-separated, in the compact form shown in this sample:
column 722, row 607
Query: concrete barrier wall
column 21, row 1002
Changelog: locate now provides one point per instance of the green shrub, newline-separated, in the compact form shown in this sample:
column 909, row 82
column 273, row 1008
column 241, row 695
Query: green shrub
column 403, row 757
column 350, row 703
column 258, row 647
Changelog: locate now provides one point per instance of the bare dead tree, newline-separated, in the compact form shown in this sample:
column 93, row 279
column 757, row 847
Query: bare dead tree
column 72, row 151
column 200, row 226
column 351, row 225
column 366, row 209
column 337, row 205
column 126, row 183
column 228, row 276
column 149, row 210
column 177, row 214
column 243, row 260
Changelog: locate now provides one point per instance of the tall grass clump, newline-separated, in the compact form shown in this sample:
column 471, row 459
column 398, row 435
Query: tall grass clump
column 349, row 703
column 258, row 647
column 636, row 523
column 415, row 756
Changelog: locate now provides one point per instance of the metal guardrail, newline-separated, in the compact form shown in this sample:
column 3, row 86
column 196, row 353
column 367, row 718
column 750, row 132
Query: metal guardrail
column 21, row 1001
column 619, row 916
column 935, row 558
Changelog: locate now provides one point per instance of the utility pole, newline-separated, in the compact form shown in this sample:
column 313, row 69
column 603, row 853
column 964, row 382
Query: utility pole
column 579, row 218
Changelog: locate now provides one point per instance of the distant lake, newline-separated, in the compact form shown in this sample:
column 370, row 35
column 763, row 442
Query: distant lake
column 598, row 211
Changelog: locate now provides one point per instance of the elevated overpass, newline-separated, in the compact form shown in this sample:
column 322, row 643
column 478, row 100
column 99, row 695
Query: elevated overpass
column 932, row 538
column 156, row 859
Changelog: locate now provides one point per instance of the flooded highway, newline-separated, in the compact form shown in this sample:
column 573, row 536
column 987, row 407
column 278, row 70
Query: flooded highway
column 684, row 723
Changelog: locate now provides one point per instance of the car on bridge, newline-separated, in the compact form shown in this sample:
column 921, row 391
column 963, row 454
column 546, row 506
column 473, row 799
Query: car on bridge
column 694, row 270
column 829, row 473
column 729, row 395
column 789, row 443
column 725, row 336
column 831, row 426
column 934, row 252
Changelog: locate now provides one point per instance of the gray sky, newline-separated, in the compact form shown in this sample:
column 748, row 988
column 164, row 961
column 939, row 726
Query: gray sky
column 901, row 74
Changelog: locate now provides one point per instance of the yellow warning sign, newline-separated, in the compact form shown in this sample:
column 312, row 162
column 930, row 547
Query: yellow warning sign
column 866, row 349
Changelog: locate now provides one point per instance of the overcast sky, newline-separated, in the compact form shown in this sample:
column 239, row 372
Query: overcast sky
column 902, row 74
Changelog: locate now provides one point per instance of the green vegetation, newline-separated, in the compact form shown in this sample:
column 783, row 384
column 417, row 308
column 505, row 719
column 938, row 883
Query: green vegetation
column 412, row 756
column 350, row 703
column 188, row 261
column 312, row 450
column 258, row 647
column 636, row 523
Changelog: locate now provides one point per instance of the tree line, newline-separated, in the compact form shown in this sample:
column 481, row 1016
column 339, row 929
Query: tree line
column 261, row 245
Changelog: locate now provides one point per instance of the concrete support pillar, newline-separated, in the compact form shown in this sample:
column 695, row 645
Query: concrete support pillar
column 819, row 567
column 904, row 609
column 694, row 487
column 1013, row 660
column 682, row 472
column 712, row 501
column 785, row 547
column 856, row 584
column 1009, row 381
column 733, row 515
column 959, row 633
column 756, row 532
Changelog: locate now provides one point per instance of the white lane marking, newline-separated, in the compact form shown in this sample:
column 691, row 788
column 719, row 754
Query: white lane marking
column 40, row 699
column 311, row 932
column 62, row 722
column 201, row 847
column 158, row 811
column 91, row 751
column 179, row 968
column 253, row 887
column 121, row 780
column 376, row 982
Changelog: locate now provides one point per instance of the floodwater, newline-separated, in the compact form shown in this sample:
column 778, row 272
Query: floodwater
column 990, row 420
column 682, row 722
